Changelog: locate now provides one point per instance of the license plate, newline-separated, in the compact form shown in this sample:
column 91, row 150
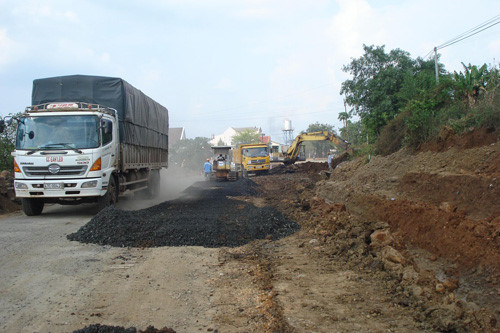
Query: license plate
column 53, row 186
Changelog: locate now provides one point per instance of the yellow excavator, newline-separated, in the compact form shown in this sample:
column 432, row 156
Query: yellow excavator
column 293, row 152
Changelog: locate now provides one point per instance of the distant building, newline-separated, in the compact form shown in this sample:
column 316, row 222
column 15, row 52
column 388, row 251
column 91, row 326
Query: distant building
column 226, row 138
column 175, row 134
column 265, row 139
column 277, row 150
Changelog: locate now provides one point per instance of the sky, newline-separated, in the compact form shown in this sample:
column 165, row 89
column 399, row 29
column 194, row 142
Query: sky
column 230, row 63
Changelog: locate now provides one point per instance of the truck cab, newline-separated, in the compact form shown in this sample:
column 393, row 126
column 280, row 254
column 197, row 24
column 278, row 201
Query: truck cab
column 65, row 153
column 252, row 158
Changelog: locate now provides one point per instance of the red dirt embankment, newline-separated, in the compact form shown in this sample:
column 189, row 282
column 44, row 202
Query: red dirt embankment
column 445, row 202
column 430, row 217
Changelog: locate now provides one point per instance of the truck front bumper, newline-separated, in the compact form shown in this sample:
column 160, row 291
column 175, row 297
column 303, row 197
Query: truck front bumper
column 74, row 188
column 258, row 167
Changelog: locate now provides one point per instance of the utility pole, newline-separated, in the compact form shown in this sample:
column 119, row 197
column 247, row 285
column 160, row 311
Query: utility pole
column 436, row 64
column 345, row 121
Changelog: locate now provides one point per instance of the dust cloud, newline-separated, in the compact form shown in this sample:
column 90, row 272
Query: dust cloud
column 174, row 181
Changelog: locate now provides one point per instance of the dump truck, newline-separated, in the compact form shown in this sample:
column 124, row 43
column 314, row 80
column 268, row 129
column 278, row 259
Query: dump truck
column 251, row 158
column 88, row 139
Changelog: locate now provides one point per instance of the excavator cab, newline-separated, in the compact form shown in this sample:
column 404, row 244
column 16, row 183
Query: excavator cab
column 293, row 153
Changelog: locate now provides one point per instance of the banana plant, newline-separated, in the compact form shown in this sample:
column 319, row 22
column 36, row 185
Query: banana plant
column 472, row 83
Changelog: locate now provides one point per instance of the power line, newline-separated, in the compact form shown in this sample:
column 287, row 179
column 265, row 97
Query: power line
column 472, row 32
column 465, row 37
column 467, row 34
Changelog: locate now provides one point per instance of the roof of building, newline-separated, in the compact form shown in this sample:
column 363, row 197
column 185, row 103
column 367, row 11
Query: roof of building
column 175, row 134
column 265, row 139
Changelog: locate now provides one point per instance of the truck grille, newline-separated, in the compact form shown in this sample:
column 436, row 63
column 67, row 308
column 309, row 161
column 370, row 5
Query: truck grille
column 258, row 161
column 75, row 170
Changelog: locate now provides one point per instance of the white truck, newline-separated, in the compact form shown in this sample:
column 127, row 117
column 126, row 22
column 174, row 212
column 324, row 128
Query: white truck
column 88, row 139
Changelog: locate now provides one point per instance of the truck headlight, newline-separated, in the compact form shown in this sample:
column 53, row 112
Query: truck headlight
column 21, row 186
column 92, row 183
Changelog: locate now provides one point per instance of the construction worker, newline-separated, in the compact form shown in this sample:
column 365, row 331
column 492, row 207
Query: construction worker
column 207, row 167
column 330, row 157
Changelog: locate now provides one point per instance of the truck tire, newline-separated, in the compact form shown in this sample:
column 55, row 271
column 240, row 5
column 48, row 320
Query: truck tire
column 152, row 189
column 32, row 207
column 245, row 174
column 111, row 196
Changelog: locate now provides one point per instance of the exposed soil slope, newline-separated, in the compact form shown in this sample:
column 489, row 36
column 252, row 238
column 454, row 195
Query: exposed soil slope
column 430, row 219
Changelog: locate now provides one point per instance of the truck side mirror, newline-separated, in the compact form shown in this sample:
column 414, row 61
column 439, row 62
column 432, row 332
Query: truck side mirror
column 107, row 127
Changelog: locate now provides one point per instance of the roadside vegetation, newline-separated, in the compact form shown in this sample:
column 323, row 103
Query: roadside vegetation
column 399, row 103
column 190, row 153
column 7, row 145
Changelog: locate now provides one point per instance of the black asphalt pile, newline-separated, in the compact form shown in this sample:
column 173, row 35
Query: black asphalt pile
column 209, row 217
column 98, row 328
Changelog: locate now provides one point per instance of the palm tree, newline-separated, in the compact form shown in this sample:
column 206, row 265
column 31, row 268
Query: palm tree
column 344, row 116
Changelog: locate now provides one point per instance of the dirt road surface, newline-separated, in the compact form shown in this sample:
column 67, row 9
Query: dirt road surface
column 404, row 243
column 49, row 284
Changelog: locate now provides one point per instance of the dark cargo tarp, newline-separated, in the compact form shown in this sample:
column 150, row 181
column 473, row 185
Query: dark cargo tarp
column 143, row 121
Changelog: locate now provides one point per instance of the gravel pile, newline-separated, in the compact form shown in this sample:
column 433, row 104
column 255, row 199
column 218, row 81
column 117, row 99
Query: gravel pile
column 208, row 217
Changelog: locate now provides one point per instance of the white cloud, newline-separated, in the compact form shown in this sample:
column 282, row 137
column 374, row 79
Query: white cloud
column 254, row 13
column 224, row 84
column 494, row 47
column 10, row 49
column 349, row 26
column 38, row 12
column 105, row 57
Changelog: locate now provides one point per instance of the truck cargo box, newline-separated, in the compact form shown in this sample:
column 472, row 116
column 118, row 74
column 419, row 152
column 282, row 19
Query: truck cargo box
column 143, row 122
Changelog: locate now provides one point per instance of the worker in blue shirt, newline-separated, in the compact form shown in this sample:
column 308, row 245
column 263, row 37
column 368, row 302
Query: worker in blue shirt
column 207, row 167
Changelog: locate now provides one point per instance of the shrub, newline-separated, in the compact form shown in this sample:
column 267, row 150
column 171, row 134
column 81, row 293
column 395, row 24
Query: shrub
column 392, row 135
column 421, row 122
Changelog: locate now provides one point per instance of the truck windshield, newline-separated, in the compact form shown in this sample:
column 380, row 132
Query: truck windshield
column 257, row 152
column 58, row 132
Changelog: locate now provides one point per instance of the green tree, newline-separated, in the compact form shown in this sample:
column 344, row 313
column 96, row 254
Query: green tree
column 246, row 136
column 344, row 117
column 190, row 153
column 357, row 132
column 377, row 80
column 7, row 145
column 317, row 127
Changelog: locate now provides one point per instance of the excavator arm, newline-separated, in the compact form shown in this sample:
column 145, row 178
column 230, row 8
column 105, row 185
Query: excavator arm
column 293, row 151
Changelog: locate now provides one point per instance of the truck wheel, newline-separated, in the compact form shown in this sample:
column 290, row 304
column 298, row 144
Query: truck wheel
column 245, row 174
column 111, row 196
column 32, row 207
